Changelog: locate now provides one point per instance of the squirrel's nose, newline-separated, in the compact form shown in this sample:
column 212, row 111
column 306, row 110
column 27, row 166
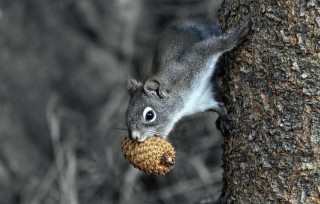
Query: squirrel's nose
column 133, row 135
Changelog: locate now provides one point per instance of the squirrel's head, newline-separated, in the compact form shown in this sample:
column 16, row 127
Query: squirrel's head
column 148, row 113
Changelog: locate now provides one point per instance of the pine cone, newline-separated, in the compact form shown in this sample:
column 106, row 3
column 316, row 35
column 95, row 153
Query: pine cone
column 153, row 156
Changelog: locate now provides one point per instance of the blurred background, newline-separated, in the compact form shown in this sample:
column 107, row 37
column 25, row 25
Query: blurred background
column 63, row 71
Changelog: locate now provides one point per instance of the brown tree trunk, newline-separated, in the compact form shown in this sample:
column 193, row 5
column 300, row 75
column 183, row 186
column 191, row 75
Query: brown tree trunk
column 272, row 84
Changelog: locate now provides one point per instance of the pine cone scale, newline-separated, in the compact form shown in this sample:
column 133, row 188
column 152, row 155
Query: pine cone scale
column 153, row 156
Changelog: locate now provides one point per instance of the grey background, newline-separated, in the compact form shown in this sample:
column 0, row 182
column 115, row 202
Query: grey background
column 63, row 71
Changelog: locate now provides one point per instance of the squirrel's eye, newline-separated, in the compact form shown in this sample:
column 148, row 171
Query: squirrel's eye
column 149, row 115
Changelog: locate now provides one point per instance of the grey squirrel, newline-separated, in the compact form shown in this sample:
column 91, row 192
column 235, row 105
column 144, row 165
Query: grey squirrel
column 182, row 84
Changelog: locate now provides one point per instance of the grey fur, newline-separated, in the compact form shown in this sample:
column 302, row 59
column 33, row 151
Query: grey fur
column 181, row 85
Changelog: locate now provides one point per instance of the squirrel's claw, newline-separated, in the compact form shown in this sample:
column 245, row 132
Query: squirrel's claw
column 223, row 121
column 223, row 124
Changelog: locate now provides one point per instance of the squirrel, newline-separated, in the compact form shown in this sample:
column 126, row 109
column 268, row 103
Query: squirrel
column 184, row 81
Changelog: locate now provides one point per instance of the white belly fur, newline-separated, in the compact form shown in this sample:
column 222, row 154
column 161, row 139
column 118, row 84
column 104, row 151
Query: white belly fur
column 201, row 97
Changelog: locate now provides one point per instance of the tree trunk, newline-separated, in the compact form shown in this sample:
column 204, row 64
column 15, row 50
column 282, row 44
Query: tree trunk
column 273, row 88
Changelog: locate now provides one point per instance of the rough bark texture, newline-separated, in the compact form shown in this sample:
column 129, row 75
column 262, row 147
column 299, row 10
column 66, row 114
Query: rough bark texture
column 272, row 84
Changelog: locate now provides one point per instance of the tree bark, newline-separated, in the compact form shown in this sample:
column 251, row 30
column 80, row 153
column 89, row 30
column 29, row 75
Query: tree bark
column 273, row 91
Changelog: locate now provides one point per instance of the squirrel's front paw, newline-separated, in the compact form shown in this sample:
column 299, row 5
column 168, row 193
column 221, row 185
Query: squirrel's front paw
column 223, row 121
column 223, row 124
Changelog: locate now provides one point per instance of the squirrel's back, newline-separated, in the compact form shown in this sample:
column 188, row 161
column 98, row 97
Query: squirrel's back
column 181, row 35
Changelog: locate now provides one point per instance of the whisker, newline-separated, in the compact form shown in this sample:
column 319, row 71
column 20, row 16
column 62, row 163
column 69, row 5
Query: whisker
column 172, row 137
column 182, row 140
column 117, row 128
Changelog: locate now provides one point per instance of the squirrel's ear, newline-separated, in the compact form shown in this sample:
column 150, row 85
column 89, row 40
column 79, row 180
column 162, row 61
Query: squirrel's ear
column 132, row 86
column 156, row 88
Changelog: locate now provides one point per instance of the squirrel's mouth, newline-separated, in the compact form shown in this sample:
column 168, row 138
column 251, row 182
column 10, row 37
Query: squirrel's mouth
column 144, row 137
column 138, row 135
column 141, row 136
